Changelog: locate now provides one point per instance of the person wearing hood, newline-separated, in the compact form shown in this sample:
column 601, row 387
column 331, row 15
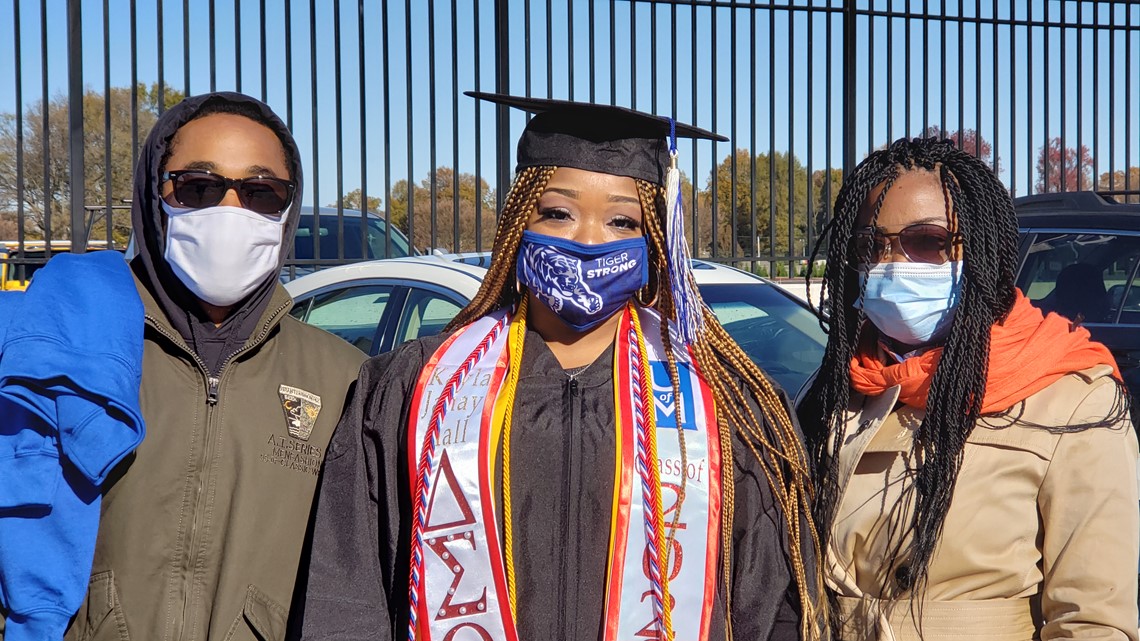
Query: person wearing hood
column 202, row 528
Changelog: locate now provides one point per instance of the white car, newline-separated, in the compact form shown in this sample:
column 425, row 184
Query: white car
column 380, row 304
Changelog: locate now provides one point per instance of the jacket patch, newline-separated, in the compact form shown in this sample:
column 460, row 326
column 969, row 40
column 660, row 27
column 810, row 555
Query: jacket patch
column 301, row 410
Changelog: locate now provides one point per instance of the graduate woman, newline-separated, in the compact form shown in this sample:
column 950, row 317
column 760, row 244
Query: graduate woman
column 567, row 463
column 977, row 465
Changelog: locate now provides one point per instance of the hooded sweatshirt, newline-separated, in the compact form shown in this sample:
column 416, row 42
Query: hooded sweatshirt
column 70, row 365
column 212, row 344
column 201, row 530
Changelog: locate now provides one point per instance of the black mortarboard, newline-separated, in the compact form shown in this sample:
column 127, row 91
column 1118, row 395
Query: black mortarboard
column 603, row 138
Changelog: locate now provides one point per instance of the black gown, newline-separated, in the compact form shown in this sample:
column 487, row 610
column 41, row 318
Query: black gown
column 563, row 450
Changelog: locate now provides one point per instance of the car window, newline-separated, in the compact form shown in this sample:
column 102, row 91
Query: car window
column 1090, row 277
column 352, row 313
column 775, row 330
column 426, row 313
column 300, row 309
column 327, row 233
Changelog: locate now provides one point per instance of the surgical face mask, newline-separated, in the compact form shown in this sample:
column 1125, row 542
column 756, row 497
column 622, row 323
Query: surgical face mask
column 583, row 284
column 222, row 254
column 913, row 303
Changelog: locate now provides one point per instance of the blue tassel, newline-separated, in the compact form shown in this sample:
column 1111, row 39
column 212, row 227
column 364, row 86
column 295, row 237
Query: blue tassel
column 686, row 297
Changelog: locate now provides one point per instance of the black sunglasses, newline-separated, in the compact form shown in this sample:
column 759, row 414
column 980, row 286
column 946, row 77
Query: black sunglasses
column 922, row 243
column 198, row 188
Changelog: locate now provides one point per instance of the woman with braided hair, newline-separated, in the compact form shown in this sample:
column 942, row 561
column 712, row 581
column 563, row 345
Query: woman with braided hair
column 586, row 453
column 975, row 463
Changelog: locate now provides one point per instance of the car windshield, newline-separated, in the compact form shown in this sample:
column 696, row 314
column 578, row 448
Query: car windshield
column 355, row 247
column 775, row 330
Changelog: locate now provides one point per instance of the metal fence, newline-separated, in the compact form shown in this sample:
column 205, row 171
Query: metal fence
column 1046, row 92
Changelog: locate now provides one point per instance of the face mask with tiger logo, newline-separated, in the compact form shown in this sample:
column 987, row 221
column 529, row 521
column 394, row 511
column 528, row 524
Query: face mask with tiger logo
column 583, row 284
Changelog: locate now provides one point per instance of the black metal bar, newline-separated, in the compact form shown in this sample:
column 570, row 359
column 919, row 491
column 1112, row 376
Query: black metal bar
column 75, row 124
column 526, row 48
column 549, row 49
column 1112, row 92
column 237, row 50
column 773, row 210
column 261, row 44
column 1029, row 107
column 1045, row 113
column 1013, row 113
column 502, row 85
column 455, row 133
column 942, row 61
column 1128, row 91
column 978, row 86
column 479, row 122
column 160, row 31
column 696, row 148
column 1064, row 90
column 828, row 19
column 134, row 84
column 810, row 215
column 316, row 220
column 365, row 209
column 712, row 108
column 593, row 68
column 339, row 136
column 45, row 133
column 107, row 177
column 409, row 125
column 925, row 65
column 870, row 85
column 653, row 59
column 962, row 85
column 570, row 48
column 613, row 54
column 849, row 89
column 790, row 159
column 890, row 73
column 907, row 130
column 997, row 126
column 633, row 53
column 433, row 178
column 752, row 219
column 186, row 47
column 288, row 62
column 387, row 147
column 17, row 58
column 1096, row 88
column 734, row 211
column 214, row 45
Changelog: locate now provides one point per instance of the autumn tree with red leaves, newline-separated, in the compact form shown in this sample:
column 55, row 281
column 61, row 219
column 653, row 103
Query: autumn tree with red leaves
column 1061, row 168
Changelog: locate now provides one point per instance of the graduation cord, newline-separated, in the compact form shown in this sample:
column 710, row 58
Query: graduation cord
column 515, row 344
column 427, row 462
column 646, row 461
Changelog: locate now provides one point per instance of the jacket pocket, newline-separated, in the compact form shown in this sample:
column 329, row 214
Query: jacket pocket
column 100, row 618
column 261, row 619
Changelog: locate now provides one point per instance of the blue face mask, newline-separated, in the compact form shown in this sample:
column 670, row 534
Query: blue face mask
column 583, row 284
column 913, row 303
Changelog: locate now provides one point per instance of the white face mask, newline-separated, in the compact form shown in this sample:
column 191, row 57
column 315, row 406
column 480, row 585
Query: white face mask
column 222, row 253
column 913, row 303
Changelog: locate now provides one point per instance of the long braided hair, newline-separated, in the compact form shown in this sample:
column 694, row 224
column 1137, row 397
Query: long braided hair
column 771, row 438
column 983, row 211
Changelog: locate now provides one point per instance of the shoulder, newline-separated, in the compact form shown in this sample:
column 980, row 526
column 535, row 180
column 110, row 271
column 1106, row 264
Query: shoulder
column 319, row 344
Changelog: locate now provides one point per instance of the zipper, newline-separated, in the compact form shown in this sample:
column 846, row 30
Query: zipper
column 213, row 386
column 567, row 492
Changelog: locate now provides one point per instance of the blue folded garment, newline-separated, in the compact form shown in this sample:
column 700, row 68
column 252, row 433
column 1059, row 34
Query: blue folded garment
column 70, row 368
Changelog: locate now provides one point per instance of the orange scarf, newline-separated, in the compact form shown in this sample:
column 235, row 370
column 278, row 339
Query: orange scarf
column 1028, row 352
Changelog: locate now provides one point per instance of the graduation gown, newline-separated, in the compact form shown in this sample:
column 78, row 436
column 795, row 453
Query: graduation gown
column 563, row 448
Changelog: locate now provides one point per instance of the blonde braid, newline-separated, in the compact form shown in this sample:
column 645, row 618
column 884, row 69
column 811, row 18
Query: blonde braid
column 778, row 448
column 498, row 287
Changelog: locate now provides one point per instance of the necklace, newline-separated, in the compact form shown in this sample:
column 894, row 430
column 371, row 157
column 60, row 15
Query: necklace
column 574, row 372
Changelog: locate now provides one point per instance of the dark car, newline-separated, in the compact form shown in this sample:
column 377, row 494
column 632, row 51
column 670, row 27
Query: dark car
column 1079, row 257
column 329, row 238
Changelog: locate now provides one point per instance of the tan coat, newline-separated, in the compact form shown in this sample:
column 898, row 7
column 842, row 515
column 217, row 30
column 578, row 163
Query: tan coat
column 1041, row 537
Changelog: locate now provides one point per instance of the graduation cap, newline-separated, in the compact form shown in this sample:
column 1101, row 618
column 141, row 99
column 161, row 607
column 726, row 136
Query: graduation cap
column 621, row 142
column 603, row 138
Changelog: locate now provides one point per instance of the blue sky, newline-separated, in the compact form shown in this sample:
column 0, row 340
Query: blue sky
column 769, row 109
